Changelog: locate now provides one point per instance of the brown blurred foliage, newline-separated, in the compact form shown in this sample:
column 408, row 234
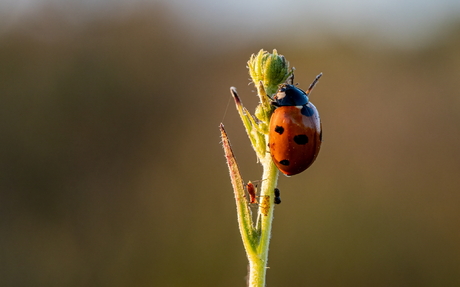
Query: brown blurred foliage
column 111, row 171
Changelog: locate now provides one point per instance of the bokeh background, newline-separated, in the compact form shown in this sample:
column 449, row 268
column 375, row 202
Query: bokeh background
column 112, row 172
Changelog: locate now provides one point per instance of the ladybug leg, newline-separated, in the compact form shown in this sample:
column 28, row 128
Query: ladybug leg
column 274, row 103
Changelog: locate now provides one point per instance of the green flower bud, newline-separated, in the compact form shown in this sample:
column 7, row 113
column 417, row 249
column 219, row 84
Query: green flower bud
column 270, row 69
column 263, row 113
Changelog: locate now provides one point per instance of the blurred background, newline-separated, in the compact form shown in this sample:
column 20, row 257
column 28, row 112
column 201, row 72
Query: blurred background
column 112, row 172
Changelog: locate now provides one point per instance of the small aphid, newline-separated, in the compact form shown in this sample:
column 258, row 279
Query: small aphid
column 265, row 205
column 277, row 196
column 252, row 190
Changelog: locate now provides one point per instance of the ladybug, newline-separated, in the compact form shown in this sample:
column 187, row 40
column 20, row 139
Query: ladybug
column 295, row 133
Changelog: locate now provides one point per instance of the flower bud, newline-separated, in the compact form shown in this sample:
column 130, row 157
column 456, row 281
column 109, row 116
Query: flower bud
column 270, row 69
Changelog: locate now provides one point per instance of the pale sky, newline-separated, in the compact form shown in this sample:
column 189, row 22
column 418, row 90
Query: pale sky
column 398, row 19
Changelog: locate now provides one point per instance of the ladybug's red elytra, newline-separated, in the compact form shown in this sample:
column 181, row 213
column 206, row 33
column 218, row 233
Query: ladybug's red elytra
column 295, row 133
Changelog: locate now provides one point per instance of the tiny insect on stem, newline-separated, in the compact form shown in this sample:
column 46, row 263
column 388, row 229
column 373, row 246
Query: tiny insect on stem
column 277, row 198
column 252, row 190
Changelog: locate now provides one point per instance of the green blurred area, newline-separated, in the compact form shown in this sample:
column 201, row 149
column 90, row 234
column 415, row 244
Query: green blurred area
column 112, row 173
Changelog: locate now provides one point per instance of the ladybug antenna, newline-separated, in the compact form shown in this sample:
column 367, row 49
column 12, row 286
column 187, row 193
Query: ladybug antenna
column 291, row 79
column 313, row 84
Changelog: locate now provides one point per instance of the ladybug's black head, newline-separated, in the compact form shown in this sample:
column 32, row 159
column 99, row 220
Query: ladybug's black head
column 290, row 95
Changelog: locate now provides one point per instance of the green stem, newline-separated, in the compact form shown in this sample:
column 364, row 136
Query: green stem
column 258, row 264
column 256, row 238
column 267, row 71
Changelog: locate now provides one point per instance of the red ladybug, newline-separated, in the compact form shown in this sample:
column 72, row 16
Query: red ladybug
column 295, row 130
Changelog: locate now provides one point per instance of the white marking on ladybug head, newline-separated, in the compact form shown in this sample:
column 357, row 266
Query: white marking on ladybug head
column 280, row 95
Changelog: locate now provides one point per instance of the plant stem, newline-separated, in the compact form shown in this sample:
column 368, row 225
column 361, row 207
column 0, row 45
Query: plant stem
column 267, row 72
column 258, row 264
column 256, row 238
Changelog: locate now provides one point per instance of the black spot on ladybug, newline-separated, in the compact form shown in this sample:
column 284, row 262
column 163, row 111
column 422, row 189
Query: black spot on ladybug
column 279, row 129
column 301, row 139
column 285, row 162
column 307, row 111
